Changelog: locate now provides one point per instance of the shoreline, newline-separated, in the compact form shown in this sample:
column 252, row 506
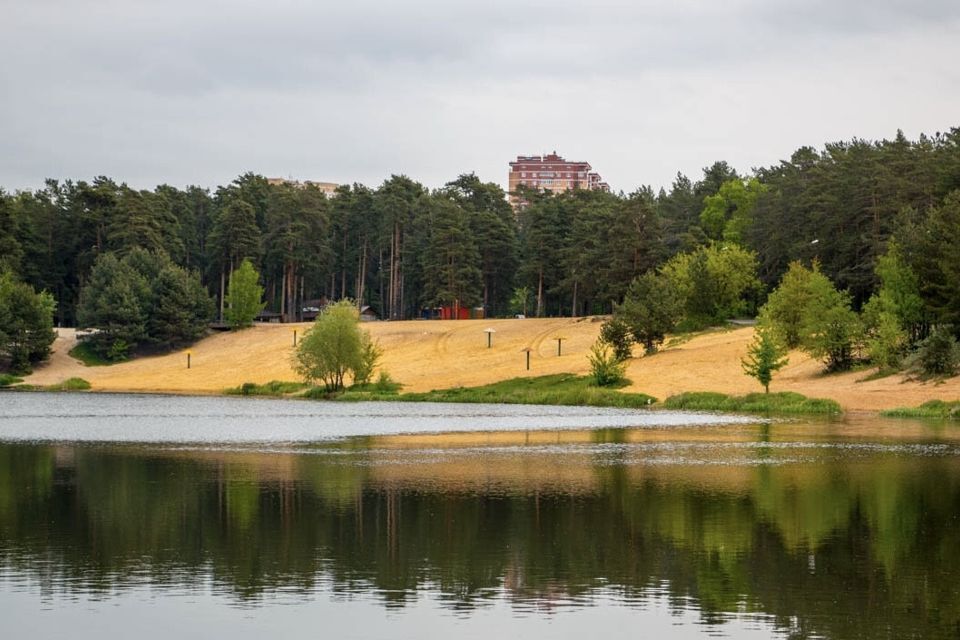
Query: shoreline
column 432, row 356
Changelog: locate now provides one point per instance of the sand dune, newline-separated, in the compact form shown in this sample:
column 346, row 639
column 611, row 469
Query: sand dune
column 426, row 355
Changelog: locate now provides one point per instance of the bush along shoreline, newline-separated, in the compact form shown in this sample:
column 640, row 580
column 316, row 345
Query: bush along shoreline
column 765, row 403
column 945, row 410
column 558, row 389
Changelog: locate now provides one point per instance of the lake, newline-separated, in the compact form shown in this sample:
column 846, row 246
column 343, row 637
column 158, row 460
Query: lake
column 157, row 517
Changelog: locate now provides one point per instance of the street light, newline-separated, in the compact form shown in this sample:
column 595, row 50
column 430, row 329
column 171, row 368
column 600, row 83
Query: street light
column 489, row 333
column 527, row 350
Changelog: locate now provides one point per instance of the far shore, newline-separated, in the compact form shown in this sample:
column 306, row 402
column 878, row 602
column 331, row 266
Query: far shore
column 434, row 355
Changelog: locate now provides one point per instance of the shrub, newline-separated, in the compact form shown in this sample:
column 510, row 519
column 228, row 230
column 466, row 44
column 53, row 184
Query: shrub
column 370, row 353
column 272, row 388
column 939, row 354
column 7, row 379
column 70, row 384
column 385, row 384
column 607, row 370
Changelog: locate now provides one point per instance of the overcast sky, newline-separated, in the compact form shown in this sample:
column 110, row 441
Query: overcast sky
column 199, row 91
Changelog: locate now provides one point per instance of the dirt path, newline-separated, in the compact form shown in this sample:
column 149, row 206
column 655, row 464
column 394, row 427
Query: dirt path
column 426, row 355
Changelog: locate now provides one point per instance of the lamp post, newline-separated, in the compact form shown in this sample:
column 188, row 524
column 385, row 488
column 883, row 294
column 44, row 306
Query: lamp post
column 489, row 333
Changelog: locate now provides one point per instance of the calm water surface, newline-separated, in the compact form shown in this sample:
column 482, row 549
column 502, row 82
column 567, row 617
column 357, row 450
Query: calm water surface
column 158, row 517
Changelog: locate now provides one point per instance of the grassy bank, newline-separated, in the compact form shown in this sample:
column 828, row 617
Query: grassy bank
column 70, row 384
column 274, row 388
column 88, row 356
column 784, row 402
column 932, row 409
column 559, row 389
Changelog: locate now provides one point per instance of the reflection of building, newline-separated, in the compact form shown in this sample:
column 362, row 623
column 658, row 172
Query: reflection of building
column 551, row 172
column 329, row 188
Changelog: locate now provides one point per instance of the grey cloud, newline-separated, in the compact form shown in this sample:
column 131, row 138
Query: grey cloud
column 199, row 91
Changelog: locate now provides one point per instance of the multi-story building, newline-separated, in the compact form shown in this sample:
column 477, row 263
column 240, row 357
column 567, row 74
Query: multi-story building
column 329, row 188
column 551, row 172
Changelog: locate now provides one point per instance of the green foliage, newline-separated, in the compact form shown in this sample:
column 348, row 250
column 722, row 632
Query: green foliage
column 7, row 379
column 90, row 358
column 783, row 402
column 713, row 283
column 931, row 247
column 786, row 304
column 142, row 299
column 272, row 388
column 559, row 389
column 616, row 333
column 118, row 351
column 885, row 339
column 728, row 214
column 332, row 348
column 370, row 354
column 386, row 384
column 930, row 409
column 765, row 356
column 938, row 355
column 450, row 261
column 650, row 309
column 244, row 296
column 807, row 311
column 606, row 368
column 520, row 301
column 70, row 384
column 26, row 324
column 831, row 330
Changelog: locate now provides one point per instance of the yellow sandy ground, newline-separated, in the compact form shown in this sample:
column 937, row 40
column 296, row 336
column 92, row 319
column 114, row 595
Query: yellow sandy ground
column 425, row 355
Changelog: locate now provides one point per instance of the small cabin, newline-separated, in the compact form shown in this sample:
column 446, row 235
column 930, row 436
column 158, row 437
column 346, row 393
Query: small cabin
column 368, row 314
column 310, row 309
column 268, row 316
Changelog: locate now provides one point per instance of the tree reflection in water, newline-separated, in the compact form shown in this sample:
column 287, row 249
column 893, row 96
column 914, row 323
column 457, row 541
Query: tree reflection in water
column 833, row 541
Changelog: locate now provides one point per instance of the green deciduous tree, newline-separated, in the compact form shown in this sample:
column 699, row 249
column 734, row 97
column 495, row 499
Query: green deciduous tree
column 713, row 283
column 765, row 356
column 332, row 348
column 244, row 296
column 830, row 329
column 786, row 304
column 808, row 312
column 728, row 214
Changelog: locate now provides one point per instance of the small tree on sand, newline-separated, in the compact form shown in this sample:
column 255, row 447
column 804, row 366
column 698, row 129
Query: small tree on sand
column 605, row 367
column 244, row 296
column 334, row 347
column 765, row 355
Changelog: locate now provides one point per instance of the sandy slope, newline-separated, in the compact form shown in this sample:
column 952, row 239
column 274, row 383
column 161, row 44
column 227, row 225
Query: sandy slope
column 428, row 355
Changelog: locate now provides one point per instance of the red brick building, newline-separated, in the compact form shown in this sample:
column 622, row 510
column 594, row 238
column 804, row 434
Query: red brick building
column 551, row 172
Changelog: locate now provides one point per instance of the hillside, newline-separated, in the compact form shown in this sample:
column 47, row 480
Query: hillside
column 426, row 355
